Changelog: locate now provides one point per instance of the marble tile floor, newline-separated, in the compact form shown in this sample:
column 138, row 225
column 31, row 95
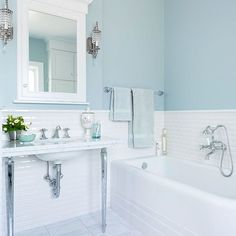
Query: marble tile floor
column 87, row 225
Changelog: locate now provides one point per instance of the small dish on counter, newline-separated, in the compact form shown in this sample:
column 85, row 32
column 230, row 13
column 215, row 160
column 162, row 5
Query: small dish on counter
column 27, row 138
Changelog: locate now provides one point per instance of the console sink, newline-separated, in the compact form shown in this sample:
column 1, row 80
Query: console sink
column 55, row 150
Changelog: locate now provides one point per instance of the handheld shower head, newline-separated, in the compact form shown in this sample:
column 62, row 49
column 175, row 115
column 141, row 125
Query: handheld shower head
column 208, row 130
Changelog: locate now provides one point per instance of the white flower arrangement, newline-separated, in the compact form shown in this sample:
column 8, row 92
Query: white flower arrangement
column 14, row 124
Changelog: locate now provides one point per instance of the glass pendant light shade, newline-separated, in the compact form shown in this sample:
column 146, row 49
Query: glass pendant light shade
column 93, row 42
column 96, row 36
column 6, row 26
column 5, row 18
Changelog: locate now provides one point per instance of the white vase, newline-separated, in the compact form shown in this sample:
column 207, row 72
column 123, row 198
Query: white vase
column 87, row 120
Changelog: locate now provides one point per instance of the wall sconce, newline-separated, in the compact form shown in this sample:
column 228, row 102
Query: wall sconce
column 94, row 41
column 6, row 27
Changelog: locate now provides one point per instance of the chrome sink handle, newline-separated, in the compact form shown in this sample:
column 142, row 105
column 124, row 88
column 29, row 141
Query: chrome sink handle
column 56, row 134
column 66, row 133
column 43, row 134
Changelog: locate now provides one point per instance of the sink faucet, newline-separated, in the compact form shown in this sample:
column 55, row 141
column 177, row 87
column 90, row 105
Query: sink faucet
column 56, row 134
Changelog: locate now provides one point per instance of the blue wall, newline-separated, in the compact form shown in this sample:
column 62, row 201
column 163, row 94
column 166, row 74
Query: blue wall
column 133, row 44
column 200, row 54
column 95, row 67
column 131, row 55
column 38, row 52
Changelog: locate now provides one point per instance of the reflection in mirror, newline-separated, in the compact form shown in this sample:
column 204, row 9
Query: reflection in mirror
column 52, row 54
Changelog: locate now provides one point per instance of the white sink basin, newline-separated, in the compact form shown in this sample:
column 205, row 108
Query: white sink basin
column 58, row 157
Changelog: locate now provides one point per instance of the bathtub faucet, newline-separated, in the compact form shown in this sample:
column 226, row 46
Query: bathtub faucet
column 213, row 147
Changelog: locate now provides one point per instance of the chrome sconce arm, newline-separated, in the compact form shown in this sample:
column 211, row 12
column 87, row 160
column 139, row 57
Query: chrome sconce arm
column 94, row 41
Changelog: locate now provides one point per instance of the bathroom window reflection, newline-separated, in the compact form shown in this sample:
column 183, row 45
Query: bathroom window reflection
column 36, row 76
column 52, row 53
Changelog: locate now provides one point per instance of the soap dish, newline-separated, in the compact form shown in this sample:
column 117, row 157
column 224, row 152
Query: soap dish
column 27, row 138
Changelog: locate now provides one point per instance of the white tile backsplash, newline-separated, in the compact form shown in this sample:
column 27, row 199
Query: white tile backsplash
column 80, row 192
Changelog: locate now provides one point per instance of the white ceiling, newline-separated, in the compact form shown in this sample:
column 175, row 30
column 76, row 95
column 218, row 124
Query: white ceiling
column 45, row 26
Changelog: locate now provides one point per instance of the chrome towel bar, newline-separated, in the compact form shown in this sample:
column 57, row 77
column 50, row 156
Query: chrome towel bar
column 158, row 92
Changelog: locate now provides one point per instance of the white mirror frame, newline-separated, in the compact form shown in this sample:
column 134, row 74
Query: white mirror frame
column 70, row 9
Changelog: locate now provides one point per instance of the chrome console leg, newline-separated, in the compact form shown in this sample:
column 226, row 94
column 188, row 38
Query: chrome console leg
column 57, row 187
column 9, row 177
column 104, row 187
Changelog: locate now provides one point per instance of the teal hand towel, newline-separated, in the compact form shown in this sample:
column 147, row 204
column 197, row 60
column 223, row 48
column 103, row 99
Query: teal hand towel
column 141, row 127
column 120, row 106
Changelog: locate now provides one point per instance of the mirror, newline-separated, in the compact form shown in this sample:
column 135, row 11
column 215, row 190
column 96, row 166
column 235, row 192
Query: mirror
column 52, row 53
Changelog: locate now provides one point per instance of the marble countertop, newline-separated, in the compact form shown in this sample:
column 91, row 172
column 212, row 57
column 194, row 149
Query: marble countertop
column 14, row 149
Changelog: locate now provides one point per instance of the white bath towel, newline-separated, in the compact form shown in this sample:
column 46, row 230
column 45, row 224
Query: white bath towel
column 120, row 107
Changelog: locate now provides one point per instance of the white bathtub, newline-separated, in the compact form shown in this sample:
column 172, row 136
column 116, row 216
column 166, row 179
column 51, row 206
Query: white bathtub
column 174, row 197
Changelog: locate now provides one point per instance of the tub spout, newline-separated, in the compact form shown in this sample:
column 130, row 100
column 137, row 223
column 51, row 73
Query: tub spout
column 207, row 157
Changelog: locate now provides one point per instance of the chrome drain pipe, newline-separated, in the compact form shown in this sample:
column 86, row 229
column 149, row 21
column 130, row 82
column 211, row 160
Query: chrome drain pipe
column 54, row 182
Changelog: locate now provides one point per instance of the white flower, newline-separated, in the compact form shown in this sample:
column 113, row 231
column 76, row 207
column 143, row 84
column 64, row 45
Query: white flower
column 16, row 121
column 4, row 129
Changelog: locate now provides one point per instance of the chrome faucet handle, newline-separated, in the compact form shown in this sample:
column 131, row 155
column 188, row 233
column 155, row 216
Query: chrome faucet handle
column 43, row 134
column 205, row 147
column 66, row 134
column 56, row 134
column 219, row 145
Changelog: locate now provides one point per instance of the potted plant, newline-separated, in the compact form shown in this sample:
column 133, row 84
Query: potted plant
column 14, row 126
